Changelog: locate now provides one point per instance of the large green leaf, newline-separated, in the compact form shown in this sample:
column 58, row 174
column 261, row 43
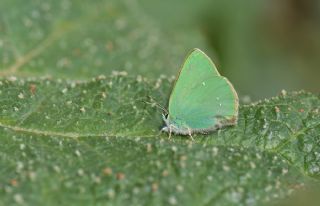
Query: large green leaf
column 83, row 39
column 98, row 142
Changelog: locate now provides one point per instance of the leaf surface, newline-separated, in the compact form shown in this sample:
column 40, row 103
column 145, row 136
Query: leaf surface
column 98, row 142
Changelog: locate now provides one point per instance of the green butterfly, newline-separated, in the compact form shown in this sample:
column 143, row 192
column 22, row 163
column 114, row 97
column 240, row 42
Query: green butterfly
column 201, row 100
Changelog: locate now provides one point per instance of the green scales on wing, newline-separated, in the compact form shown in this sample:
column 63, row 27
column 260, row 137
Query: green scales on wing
column 202, row 100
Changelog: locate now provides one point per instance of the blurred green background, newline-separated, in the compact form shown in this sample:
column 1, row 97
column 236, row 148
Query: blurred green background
column 262, row 46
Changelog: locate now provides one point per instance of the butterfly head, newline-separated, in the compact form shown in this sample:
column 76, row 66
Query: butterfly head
column 173, row 125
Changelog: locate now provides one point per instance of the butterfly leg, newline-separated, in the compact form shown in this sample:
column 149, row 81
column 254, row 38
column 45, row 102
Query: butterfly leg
column 190, row 134
column 170, row 131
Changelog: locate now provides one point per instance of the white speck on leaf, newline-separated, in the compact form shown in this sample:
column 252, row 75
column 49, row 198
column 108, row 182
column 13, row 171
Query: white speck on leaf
column 215, row 151
column 172, row 200
column 18, row 199
column 78, row 153
column 174, row 148
column 20, row 166
column 226, row 168
column 268, row 188
column 111, row 193
column 179, row 188
column 56, row 168
column 32, row 175
column 65, row 90
column 82, row 109
column 80, row 172
column 135, row 190
column 283, row 92
column 314, row 169
column 13, row 78
column 22, row 146
column 149, row 147
column 20, row 96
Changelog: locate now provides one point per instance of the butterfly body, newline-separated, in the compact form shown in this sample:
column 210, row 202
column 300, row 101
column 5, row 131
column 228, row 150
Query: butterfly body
column 201, row 100
column 179, row 127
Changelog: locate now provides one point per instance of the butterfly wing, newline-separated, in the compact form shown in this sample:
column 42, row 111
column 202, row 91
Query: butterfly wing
column 201, row 97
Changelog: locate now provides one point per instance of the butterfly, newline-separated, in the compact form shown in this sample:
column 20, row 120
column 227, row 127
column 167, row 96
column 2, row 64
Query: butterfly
column 202, row 100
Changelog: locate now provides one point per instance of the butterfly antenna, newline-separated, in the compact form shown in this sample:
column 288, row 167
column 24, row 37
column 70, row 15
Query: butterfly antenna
column 156, row 104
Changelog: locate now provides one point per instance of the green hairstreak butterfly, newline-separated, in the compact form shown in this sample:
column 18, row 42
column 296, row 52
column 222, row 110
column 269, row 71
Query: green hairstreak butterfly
column 201, row 100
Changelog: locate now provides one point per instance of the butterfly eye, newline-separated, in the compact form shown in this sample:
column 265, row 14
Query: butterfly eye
column 166, row 115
